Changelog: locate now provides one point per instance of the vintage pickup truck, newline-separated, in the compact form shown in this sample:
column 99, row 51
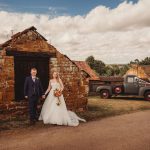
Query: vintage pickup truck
column 132, row 85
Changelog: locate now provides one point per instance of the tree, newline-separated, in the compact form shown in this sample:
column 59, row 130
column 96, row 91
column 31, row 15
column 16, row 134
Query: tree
column 97, row 65
column 108, row 71
column 112, row 70
column 90, row 61
column 124, row 69
column 116, row 70
column 146, row 61
column 136, row 61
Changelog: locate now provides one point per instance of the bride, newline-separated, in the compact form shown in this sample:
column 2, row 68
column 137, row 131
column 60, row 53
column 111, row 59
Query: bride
column 54, row 109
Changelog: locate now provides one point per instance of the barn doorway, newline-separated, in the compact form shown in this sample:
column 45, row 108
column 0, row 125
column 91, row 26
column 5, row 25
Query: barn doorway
column 23, row 65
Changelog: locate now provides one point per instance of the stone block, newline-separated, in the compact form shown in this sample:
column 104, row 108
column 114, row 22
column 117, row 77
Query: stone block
column 9, row 96
column 1, row 96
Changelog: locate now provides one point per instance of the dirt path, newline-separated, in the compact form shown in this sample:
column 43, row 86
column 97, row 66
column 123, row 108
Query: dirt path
column 126, row 132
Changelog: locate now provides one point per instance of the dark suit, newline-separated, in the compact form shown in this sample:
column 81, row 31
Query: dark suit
column 34, row 90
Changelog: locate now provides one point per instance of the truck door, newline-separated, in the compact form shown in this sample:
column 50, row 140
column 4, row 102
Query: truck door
column 131, row 85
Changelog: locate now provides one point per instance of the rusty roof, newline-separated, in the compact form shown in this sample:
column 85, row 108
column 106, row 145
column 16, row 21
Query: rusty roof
column 146, row 69
column 86, row 68
column 20, row 33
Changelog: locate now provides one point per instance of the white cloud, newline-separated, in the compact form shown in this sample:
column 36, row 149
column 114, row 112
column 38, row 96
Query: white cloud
column 113, row 35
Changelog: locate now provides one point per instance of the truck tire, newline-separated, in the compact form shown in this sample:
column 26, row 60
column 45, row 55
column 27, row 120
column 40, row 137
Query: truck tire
column 147, row 96
column 105, row 94
column 117, row 90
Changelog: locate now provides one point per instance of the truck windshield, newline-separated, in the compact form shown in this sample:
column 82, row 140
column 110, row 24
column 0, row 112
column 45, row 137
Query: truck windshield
column 130, row 79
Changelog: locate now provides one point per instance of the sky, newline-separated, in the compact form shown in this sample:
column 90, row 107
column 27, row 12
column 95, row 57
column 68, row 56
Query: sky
column 62, row 7
column 114, row 31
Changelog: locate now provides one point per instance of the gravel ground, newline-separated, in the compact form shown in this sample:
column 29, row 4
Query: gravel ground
column 124, row 132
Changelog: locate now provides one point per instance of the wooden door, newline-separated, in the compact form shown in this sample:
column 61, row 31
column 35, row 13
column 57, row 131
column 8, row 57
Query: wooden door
column 23, row 65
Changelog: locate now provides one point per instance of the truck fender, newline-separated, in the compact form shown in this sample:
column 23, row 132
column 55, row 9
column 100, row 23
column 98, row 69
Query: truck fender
column 100, row 88
column 143, row 90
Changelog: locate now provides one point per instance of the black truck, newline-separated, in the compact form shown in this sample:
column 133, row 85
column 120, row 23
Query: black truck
column 132, row 85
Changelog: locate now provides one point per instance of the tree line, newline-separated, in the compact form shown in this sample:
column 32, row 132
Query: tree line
column 113, row 70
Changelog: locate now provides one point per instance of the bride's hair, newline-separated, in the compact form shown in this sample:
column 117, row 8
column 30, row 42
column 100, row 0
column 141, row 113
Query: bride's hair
column 58, row 77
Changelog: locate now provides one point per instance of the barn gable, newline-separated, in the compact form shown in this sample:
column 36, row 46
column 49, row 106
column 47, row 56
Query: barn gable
column 28, row 40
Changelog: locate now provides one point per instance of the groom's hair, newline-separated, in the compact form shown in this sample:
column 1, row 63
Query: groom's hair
column 34, row 69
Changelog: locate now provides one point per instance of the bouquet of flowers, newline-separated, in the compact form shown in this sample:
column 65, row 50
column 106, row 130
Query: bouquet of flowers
column 57, row 93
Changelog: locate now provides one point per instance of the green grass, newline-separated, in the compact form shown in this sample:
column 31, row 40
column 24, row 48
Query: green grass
column 97, row 109
column 100, row 108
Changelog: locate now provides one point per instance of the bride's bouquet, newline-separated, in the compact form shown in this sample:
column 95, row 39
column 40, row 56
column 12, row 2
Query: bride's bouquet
column 57, row 93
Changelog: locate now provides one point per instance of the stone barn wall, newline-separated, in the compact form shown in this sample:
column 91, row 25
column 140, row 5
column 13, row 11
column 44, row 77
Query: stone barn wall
column 6, row 77
column 76, row 86
column 29, row 40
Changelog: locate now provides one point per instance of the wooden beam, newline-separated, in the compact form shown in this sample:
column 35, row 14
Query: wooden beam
column 29, row 54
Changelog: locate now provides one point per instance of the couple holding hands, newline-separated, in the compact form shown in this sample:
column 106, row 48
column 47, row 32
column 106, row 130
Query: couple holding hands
column 54, row 110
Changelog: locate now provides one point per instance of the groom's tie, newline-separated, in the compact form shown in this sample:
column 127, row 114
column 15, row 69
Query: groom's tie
column 33, row 79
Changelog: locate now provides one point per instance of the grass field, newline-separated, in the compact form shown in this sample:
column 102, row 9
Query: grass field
column 99, row 108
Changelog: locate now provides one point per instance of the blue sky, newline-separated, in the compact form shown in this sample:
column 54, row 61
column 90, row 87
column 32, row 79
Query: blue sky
column 60, row 7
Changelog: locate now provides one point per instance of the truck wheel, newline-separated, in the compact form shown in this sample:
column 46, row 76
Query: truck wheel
column 118, row 90
column 105, row 94
column 147, row 96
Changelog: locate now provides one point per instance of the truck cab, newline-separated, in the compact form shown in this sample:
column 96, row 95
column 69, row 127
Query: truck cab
column 131, row 85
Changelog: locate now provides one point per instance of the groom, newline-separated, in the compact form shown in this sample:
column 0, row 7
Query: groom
column 33, row 91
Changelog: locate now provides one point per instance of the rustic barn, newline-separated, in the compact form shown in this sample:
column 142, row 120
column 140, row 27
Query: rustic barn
column 28, row 49
column 92, row 77
column 142, row 71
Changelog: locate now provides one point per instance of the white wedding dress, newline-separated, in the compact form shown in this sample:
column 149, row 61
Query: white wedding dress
column 52, row 113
